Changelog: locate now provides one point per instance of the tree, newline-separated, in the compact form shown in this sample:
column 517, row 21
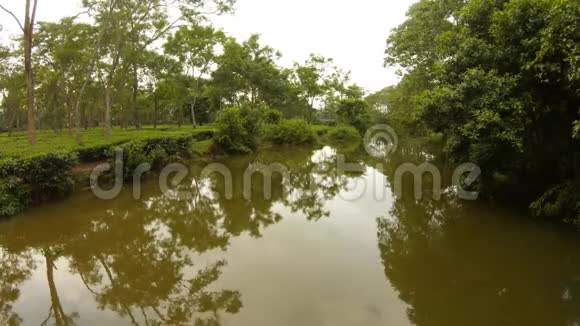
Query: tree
column 28, row 32
column 354, row 112
column 322, row 85
column 310, row 79
column 500, row 80
column 248, row 72
column 132, row 27
column 64, row 53
column 194, row 46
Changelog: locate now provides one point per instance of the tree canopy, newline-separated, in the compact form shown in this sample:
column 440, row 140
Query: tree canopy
column 500, row 80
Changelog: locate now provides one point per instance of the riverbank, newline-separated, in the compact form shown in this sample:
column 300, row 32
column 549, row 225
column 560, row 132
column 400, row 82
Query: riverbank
column 55, row 166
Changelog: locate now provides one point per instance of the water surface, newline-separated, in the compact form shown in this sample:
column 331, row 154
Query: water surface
column 340, row 253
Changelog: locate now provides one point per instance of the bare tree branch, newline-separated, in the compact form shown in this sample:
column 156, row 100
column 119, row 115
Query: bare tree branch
column 33, row 17
column 79, row 14
column 14, row 16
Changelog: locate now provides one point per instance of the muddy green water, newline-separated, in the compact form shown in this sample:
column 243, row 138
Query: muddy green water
column 340, row 253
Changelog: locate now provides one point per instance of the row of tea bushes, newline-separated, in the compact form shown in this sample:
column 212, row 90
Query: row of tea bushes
column 35, row 180
column 156, row 152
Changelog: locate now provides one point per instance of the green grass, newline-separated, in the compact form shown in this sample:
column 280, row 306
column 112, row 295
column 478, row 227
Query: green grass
column 16, row 146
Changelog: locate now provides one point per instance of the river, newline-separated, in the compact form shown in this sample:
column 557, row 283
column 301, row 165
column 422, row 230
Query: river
column 329, row 247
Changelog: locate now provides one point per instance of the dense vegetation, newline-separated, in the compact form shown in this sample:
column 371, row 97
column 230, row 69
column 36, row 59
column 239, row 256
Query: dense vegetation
column 497, row 80
column 120, row 72
column 501, row 81
column 133, row 63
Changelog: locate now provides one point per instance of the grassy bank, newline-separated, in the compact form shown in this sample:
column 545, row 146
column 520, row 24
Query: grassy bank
column 16, row 146
column 33, row 174
column 50, row 169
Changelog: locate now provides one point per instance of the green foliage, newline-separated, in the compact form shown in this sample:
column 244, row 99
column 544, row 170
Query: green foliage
column 321, row 130
column 43, row 177
column 272, row 116
column 354, row 112
column 12, row 197
column 562, row 201
column 238, row 130
column 96, row 153
column 35, row 180
column 344, row 134
column 291, row 132
column 500, row 80
column 94, row 145
column 156, row 152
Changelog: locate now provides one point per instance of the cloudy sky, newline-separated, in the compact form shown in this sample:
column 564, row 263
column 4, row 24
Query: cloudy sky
column 351, row 32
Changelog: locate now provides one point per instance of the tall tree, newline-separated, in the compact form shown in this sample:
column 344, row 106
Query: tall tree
column 64, row 50
column 248, row 72
column 28, row 32
column 195, row 46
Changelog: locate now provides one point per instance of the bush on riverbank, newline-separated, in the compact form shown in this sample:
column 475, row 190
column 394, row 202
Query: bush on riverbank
column 344, row 134
column 40, row 178
column 156, row 152
column 34, row 180
column 238, row 130
column 291, row 132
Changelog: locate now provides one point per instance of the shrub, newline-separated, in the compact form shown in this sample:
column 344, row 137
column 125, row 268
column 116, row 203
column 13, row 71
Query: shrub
column 238, row 130
column 562, row 201
column 13, row 196
column 157, row 151
column 97, row 153
column 291, row 132
column 272, row 116
column 344, row 134
column 34, row 180
column 171, row 145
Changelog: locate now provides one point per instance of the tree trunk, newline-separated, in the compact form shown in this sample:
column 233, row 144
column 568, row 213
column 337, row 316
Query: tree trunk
column 155, row 108
column 107, row 112
column 134, row 98
column 193, row 121
column 77, row 114
column 67, row 103
column 56, row 306
column 69, row 120
column 28, row 31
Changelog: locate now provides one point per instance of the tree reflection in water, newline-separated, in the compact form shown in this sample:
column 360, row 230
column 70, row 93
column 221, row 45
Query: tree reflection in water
column 453, row 263
column 138, row 258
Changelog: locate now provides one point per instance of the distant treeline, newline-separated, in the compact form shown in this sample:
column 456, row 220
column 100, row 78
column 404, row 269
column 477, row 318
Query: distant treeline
column 130, row 63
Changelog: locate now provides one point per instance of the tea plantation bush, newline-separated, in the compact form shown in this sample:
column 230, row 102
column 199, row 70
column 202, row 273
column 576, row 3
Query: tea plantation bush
column 40, row 178
column 34, row 180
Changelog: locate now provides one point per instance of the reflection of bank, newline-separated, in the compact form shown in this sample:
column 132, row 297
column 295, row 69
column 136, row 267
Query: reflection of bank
column 132, row 259
column 471, row 264
column 139, row 258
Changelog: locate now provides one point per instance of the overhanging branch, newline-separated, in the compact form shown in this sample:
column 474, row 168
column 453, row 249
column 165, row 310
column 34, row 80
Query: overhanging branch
column 13, row 16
